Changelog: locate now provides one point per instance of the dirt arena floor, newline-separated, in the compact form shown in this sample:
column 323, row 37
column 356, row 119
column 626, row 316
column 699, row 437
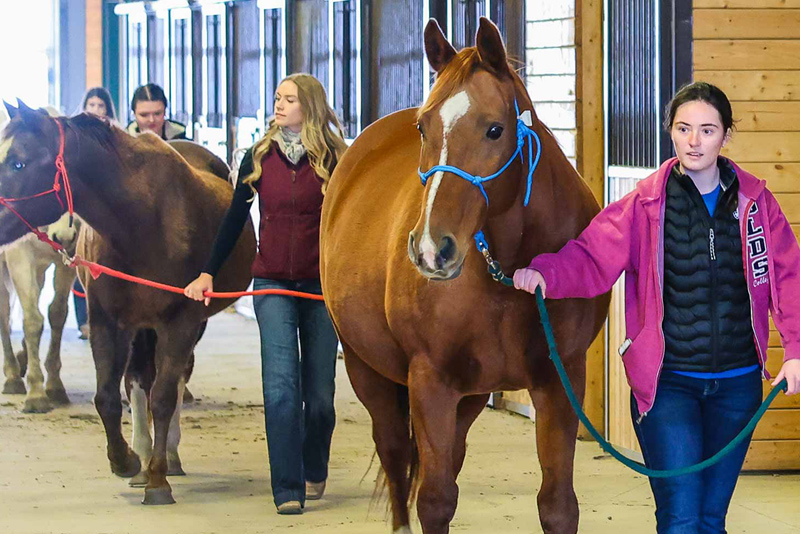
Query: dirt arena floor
column 54, row 477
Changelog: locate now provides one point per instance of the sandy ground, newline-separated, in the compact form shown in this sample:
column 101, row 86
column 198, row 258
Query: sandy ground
column 54, row 477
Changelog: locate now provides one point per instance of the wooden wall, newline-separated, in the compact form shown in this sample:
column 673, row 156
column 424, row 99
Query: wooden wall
column 751, row 50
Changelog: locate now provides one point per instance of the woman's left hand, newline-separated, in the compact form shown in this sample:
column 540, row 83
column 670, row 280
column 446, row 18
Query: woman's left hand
column 791, row 372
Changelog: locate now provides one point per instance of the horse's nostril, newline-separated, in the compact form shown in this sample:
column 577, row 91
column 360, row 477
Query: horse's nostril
column 447, row 250
column 411, row 254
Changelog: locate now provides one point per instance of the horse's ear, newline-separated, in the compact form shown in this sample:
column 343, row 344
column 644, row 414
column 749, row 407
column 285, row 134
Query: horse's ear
column 437, row 47
column 490, row 46
column 30, row 115
column 12, row 111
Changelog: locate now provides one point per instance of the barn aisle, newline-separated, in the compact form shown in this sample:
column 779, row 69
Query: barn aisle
column 54, row 477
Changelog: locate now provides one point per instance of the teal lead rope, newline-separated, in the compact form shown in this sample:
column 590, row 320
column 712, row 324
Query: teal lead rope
column 497, row 274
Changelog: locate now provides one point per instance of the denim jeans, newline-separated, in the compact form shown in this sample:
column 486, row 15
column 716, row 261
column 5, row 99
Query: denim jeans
column 298, row 367
column 80, row 303
column 693, row 419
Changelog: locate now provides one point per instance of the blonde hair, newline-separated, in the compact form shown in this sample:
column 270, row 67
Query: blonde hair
column 321, row 134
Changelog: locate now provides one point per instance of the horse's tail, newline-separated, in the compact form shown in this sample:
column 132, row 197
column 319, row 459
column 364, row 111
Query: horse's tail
column 412, row 472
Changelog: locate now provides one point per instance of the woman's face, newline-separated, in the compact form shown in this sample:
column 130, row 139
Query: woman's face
column 698, row 135
column 150, row 116
column 96, row 106
column 288, row 111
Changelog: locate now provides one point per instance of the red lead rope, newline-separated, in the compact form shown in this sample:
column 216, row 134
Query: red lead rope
column 96, row 269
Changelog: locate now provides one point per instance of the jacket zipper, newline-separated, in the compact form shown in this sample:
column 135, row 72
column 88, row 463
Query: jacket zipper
column 743, row 224
column 714, row 319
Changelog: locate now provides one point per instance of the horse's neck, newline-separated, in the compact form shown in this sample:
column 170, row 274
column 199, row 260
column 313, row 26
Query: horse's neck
column 119, row 197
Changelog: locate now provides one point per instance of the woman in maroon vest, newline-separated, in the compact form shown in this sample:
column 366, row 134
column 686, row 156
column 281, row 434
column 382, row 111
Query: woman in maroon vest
column 289, row 169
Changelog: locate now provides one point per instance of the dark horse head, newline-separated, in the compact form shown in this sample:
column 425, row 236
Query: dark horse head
column 29, row 145
column 470, row 124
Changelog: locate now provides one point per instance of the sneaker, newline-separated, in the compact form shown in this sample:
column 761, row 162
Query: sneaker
column 290, row 508
column 314, row 490
column 84, row 329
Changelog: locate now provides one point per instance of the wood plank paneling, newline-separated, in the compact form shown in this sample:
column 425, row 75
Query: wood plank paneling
column 746, row 4
column 790, row 204
column 746, row 24
column 782, row 400
column 773, row 455
column 780, row 177
column 756, row 85
column 767, row 116
column 758, row 54
column 764, row 147
column 778, row 424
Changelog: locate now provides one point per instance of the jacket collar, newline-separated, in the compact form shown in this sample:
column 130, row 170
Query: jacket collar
column 651, row 189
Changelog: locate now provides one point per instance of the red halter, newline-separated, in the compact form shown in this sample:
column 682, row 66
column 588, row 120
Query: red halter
column 61, row 179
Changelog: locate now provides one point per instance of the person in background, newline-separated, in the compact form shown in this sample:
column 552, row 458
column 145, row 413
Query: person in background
column 707, row 255
column 96, row 101
column 289, row 168
column 149, row 106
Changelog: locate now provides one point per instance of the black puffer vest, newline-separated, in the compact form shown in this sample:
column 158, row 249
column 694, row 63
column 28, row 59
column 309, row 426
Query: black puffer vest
column 707, row 324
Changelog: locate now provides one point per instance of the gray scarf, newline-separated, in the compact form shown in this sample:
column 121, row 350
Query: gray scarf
column 290, row 144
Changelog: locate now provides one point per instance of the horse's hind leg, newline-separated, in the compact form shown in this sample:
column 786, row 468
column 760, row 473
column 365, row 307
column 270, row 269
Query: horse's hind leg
column 28, row 277
column 387, row 404
column 57, row 315
column 11, row 368
column 175, row 344
column 434, row 408
column 556, row 432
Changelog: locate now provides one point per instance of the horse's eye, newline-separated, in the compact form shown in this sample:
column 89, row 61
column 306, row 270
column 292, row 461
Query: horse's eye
column 17, row 165
column 419, row 128
column 494, row 132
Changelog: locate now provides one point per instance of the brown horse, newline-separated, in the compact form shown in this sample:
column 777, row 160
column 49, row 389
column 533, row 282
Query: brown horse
column 148, row 212
column 427, row 334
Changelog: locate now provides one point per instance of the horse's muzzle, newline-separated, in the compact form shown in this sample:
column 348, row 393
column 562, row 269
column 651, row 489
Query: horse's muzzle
column 441, row 263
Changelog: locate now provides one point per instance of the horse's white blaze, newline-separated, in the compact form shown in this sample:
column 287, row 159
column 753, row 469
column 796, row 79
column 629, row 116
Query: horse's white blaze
column 141, row 443
column 451, row 111
column 5, row 146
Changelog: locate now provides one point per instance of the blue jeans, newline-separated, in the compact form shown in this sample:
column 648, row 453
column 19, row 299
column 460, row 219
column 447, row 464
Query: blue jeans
column 693, row 419
column 298, row 384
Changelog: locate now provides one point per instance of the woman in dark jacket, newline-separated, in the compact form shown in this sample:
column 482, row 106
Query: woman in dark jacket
column 289, row 169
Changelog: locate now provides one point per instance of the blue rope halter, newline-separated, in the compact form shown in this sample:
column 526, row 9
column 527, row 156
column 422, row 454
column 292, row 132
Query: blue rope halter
column 523, row 132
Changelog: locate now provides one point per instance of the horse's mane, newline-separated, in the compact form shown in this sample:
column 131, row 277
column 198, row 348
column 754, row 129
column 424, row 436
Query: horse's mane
column 452, row 77
column 96, row 128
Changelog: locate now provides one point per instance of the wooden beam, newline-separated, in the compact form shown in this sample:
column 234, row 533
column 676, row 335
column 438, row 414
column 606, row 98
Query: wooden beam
column 757, row 54
column 773, row 455
column 764, row 147
column 94, row 43
column 746, row 24
column 780, row 177
column 590, row 163
column 767, row 116
column 746, row 4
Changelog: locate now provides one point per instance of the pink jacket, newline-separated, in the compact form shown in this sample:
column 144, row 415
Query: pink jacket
column 627, row 237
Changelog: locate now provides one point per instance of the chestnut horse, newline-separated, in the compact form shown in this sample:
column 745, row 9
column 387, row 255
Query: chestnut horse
column 427, row 334
column 150, row 211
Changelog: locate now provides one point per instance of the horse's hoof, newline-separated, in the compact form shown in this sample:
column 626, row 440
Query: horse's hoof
column 188, row 398
column 133, row 466
column 58, row 396
column 14, row 386
column 140, row 479
column 158, row 496
column 37, row 405
column 174, row 469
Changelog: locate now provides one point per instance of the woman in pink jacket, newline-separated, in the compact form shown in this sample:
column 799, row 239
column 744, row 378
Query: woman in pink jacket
column 707, row 255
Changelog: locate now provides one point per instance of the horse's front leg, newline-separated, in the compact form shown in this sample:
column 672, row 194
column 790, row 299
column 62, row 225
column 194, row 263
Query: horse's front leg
column 556, row 432
column 57, row 315
column 434, row 406
column 175, row 343
column 28, row 278
column 11, row 368
column 111, row 347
